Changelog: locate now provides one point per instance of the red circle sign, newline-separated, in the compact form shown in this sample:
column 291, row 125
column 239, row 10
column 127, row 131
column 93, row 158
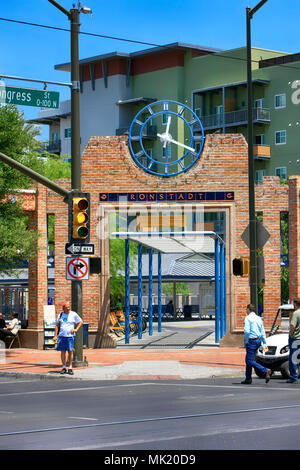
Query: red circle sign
column 79, row 267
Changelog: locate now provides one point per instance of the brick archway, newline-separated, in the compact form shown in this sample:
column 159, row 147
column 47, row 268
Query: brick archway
column 107, row 167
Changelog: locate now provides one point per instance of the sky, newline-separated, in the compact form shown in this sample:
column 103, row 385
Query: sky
column 32, row 52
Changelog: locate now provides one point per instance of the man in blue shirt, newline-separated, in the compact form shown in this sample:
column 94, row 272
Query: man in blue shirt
column 67, row 325
column 254, row 335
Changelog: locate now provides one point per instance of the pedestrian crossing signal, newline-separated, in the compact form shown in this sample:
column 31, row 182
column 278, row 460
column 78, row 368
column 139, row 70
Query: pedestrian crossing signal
column 241, row 267
column 79, row 217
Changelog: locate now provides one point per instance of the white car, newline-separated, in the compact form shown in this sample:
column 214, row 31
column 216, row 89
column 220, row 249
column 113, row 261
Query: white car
column 277, row 356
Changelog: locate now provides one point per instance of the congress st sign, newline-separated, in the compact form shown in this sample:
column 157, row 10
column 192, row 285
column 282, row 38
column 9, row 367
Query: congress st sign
column 28, row 97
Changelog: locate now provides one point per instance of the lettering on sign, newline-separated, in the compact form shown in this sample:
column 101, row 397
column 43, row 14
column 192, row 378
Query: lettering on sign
column 167, row 197
column 28, row 97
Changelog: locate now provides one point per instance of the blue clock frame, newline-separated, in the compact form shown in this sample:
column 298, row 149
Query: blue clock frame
column 170, row 168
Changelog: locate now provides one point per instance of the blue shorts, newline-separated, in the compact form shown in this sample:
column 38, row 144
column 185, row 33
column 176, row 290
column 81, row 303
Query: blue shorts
column 65, row 343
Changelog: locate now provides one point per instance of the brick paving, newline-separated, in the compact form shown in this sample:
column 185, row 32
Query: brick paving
column 44, row 362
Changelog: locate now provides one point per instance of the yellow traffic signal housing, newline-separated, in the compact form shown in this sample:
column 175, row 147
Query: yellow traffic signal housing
column 79, row 217
column 246, row 267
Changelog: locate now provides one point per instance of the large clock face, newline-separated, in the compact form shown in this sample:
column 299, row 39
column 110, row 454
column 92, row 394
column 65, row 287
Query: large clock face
column 166, row 138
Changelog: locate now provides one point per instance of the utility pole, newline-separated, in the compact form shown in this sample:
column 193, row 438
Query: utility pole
column 251, row 180
column 74, row 17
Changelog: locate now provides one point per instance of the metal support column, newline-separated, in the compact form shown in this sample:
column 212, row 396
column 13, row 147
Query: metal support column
column 225, row 294
column 140, row 291
column 217, row 291
column 159, row 291
column 150, row 309
column 127, row 291
column 251, row 171
column 222, row 300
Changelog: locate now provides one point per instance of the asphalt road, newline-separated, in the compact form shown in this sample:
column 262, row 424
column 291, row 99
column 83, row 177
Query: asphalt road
column 218, row 414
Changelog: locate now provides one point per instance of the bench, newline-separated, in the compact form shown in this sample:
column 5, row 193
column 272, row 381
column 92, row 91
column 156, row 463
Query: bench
column 9, row 340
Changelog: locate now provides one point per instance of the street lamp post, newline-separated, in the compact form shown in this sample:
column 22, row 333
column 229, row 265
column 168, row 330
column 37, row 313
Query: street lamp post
column 252, row 218
column 74, row 15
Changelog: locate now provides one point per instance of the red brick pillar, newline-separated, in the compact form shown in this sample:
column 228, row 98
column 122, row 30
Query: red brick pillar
column 271, row 252
column 103, row 338
column 294, row 238
column 37, row 268
column 272, row 199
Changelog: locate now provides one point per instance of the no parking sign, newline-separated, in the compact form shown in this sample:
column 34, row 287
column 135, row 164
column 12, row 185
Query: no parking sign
column 77, row 269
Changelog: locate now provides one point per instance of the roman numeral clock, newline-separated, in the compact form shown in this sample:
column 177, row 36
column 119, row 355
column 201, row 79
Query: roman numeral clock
column 166, row 138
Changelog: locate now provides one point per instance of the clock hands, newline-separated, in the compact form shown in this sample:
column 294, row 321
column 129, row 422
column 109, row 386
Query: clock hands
column 167, row 131
column 167, row 138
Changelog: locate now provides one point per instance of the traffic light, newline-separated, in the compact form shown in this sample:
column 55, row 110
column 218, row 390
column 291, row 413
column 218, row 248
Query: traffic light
column 79, row 217
column 241, row 267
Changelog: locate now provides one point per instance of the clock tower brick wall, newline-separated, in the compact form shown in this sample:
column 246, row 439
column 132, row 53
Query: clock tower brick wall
column 107, row 167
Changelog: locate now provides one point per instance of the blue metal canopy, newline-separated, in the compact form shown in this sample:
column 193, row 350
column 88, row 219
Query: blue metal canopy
column 175, row 242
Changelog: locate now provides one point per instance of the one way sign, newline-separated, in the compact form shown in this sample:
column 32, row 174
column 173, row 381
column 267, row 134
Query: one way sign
column 77, row 269
column 77, row 250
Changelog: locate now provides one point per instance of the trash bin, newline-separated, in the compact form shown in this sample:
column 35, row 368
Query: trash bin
column 85, row 335
column 187, row 311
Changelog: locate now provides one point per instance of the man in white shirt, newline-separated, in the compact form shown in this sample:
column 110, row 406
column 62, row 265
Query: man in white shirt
column 12, row 329
column 254, row 336
column 67, row 325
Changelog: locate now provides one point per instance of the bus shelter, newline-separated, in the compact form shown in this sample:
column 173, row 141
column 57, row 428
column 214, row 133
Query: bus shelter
column 174, row 242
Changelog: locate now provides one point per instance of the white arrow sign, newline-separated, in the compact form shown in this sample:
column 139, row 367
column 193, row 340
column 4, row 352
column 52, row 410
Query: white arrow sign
column 73, row 249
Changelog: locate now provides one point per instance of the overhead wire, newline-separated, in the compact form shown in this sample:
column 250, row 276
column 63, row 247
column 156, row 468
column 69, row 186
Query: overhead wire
column 134, row 41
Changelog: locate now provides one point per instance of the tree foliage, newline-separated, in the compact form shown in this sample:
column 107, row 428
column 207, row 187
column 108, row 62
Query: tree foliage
column 117, row 269
column 18, row 141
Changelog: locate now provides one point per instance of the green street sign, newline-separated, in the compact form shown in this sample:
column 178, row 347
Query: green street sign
column 28, row 97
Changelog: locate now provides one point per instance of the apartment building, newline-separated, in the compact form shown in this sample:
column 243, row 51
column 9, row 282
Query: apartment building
column 115, row 87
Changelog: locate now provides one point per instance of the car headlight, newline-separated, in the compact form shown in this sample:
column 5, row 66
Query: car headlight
column 284, row 350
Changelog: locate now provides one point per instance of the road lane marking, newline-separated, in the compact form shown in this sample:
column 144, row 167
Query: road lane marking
column 67, row 390
column 148, row 420
column 263, row 386
column 206, row 433
column 80, row 417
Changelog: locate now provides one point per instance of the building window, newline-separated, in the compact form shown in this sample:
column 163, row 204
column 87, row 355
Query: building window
column 260, row 139
column 198, row 112
column 280, row 101
column 259, row 174
column 68, row 133
column 281, row 172
column 167, row 151
column 55, row 136
column 259, row 103
column 165, row 116
column 280, row 137
column 220, row 109
column 198, row 147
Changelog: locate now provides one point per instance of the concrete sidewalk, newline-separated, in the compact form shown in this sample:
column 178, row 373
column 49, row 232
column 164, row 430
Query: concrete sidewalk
column 125, row 363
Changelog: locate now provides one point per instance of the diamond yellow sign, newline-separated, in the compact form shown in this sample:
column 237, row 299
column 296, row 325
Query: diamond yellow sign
column 262, row 235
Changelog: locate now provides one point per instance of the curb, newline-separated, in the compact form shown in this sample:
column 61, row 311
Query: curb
column 124, row 376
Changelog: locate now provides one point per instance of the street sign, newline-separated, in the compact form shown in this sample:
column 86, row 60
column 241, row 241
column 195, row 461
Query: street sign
column 73, row 249
column 262, row 235
column 28, row 97
column 77, row 269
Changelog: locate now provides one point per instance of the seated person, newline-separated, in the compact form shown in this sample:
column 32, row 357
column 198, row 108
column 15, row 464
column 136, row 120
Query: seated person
column 2, row 321
column 12, row 329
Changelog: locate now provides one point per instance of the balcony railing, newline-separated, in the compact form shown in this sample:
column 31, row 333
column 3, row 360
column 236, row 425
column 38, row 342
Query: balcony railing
column 149, row 133
column 52, row 146
column 262, row 152
column 235, row 118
